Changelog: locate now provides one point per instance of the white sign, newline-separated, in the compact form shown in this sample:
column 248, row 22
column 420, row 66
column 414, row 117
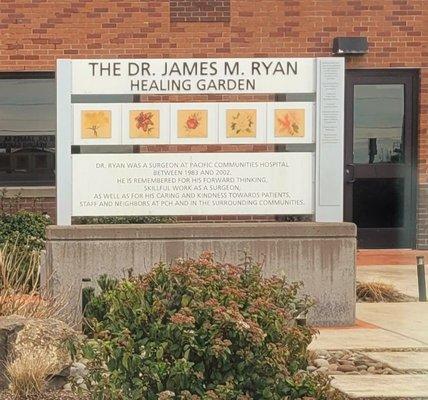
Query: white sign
column 187, row 76
column 330, row 138
column 192, row 184
column 83, row 185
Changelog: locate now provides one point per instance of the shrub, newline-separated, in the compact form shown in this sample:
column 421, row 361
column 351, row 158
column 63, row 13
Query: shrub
column 24, row 228
column 125, row 220
column 200, row 330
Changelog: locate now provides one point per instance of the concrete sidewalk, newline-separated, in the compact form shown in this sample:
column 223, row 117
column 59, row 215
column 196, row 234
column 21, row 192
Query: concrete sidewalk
column 392, row 337
column 381, row 326
column 403, row 277
column 385, row 387
column 389, row 256
column 391, row 334
column 409, row 320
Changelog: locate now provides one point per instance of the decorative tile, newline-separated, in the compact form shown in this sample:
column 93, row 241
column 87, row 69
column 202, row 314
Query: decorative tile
column 242, row 122
column 96, row 124
column 194, row 123
column 146, row 123
column 291, row 122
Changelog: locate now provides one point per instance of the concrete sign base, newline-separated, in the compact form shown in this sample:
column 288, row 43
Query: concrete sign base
column 321, row 255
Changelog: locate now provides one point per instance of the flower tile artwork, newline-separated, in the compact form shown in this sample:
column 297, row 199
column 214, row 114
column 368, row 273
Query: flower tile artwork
column 290, row 123
column 144, row 124
column 192, row 123
column 241, row 123
column 96, row 124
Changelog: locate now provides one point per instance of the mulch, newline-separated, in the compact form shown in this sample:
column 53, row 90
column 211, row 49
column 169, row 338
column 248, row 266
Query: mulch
column 54, row 395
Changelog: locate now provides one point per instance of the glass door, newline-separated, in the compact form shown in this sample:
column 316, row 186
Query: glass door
column 380, row 156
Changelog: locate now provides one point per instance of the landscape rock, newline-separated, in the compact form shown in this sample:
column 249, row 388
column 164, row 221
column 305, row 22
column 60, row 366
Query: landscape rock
column 56, row 382
column 49, row 336
column 322, row 354
column 346, row 368
column 67, row 387
column 78, row 370
column 321, row 362
column 349, row 362
column 346, row 362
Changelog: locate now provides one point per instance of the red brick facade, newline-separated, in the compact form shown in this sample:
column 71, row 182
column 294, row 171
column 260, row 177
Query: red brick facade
column 34, row 33
column 200, row 11
column 35, row 204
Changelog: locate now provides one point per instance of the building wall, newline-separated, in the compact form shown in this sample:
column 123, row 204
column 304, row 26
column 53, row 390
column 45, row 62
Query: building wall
column 17, row 199
column 33, row 34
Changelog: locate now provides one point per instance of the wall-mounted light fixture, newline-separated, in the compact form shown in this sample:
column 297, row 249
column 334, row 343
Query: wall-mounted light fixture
column 350, row 46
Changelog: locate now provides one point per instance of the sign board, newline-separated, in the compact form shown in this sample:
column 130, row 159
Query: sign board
column 192, row 184
column 149, row 184
column 194, row 76
column 330, row 141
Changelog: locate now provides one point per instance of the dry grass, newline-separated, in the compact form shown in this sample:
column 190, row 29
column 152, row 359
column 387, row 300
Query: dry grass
column 377, row 292
column 28, row 374
column 19, row 267
column 20, row 289
column 21, row 294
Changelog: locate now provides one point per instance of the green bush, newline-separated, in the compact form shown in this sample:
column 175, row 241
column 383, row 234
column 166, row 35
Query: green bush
column 124, row 220
column 200, row 330
column 24, row 228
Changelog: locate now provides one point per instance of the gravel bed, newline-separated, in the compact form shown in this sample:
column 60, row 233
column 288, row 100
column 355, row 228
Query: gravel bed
column 348, row 362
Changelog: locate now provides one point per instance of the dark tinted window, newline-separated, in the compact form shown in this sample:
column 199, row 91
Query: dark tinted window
column 378, row 123
column 27, row 130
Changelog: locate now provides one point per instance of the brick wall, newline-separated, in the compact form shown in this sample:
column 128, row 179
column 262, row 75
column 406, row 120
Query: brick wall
column 33, row 34
column 422, row 217
column 35, row 204
column 199, row 11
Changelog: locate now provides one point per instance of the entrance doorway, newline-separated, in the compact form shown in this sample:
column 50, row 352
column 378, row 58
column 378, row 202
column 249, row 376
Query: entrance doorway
column 380, row 156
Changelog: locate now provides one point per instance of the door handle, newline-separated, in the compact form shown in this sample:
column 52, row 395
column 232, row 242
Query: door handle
column 350, row 173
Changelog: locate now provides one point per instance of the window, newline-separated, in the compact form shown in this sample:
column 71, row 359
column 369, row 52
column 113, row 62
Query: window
column 378, row 123
column 27, row 129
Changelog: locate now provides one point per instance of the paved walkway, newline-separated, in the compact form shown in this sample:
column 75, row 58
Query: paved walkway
column 409, row 320
column 393, row 337
column 390, row 257
column 380, row 326
column 404, row 361
column 394, row 334
column 403, row 277
column 383, row 386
